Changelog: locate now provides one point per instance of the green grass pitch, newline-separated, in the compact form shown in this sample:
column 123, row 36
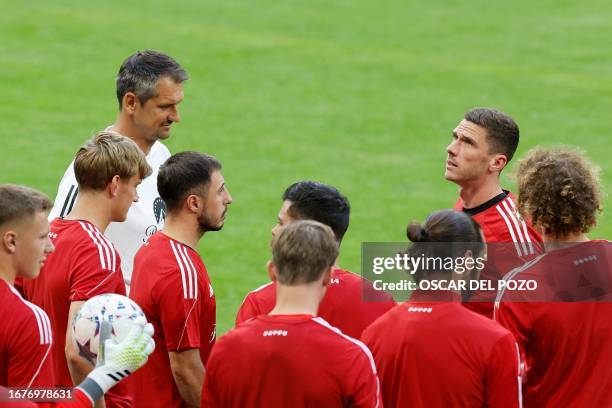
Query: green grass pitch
column 358, row 94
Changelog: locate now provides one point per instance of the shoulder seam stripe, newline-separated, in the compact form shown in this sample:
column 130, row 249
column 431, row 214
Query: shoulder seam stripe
column 361, row 345
column 516, row 246
column 181, row 268
column 517, row 228
column 193, row 271
column 524, row 225
column 189, row 272
column 101, row 251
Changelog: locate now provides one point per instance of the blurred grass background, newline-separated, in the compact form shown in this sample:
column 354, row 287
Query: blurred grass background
column 362, row 95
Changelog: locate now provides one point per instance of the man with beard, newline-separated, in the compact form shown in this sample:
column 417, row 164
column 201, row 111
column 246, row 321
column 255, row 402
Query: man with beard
column 171, row 285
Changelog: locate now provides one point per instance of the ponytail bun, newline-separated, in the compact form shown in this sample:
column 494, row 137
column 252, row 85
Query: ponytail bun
column 416, row 232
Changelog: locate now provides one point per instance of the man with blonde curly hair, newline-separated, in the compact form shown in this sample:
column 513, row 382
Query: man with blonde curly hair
column 564, row 329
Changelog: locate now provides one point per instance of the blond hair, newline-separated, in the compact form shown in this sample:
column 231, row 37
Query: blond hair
column 302, row 251
column 106, row 155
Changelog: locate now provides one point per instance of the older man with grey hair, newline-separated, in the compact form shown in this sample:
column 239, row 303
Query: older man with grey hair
column 149, row 89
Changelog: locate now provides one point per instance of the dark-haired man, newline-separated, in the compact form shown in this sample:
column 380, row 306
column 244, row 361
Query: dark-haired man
column 350, row 303
column 483, row 144
column 149, row 89
column 290, row 358
column 171, row 283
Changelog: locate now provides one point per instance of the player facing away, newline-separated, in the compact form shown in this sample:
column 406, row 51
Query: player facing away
column 431, row 351
column 108, row 169
column 290, row 357
column 149, row 89
column 349, row 304
column 26, row 336
column 483, row 144
column 567, row 341
column 171, row 283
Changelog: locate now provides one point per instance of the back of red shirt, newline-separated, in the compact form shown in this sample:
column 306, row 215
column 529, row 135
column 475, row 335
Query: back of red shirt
column 25, row 342
column 171, row 285
column 501, row 223
column 350, row 303
column 434, row 354
column 290, row 361
column 84, row 264
column 567, row 345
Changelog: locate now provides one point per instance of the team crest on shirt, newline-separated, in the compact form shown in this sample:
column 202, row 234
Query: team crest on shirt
column 159, row 209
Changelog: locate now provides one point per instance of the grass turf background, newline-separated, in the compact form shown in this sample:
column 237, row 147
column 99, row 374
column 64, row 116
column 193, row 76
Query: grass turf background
column 358, row 94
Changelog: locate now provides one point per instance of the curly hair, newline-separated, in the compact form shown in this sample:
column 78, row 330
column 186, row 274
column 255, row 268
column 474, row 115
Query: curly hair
column 559, row 190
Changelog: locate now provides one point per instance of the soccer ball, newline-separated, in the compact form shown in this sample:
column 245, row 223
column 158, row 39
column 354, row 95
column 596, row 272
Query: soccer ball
column 118, row 310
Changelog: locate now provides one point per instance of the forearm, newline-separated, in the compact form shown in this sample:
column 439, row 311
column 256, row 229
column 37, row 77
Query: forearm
column 189, row 383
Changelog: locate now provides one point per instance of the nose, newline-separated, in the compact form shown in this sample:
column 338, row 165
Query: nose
column 229, row 198
column 49, row 247
column 275, row 229
column 452, row 148
column 174, row 115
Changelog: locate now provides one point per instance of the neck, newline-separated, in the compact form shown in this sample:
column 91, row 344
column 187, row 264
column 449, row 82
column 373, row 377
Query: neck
column 94, row 207
column 552, row 242
column 478, row 192
column 7, row 272
column 445, row 276
column 299, row 299
column 126, row 127
column 183, row 228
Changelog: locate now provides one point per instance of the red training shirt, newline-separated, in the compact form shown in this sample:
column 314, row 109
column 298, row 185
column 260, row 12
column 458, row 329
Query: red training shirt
column 290, row 361
column 567, row 345
column 350, row 303
column 171, row 285
column 84, row 264
column 25, row 342
column 501, row 222
column 440, row 354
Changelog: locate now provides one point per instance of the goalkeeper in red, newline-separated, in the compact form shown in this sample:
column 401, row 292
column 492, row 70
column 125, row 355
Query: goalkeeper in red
column 564, row 329
column 290, row 357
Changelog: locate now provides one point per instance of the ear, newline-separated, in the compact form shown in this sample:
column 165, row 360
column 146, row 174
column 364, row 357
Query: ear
column 129, row 102
column 113, row 186
column 498, row 163
column 271, row 271
column 327, row 276
column 194, row 203
column 9, row 241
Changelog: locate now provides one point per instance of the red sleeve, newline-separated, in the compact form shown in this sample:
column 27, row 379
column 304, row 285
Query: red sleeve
column 248, row 309
column 30, row 358
column 514, row 317
column 179, row 314
column 364, row 391
column 503, row 380
column 88, row 278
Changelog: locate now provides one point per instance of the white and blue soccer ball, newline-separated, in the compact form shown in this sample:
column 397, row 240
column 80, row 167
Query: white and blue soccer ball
column 118, row 310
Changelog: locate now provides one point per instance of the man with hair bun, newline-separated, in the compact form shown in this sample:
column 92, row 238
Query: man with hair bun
column 431, row 351
column 564, row 328
column 289, row 357
column 483, row 144
column 108, row 169
column 149, row 88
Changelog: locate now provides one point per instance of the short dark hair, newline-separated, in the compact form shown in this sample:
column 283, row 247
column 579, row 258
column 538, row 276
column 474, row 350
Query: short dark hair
column 317, row 201
column 141, row 71
column 502, row 130
column 17, row 202
column 559, row 190
column 183, row 174
column 455, row 231
column 302, row 251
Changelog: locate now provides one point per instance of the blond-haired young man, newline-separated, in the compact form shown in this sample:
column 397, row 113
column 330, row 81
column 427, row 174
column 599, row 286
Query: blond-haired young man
column 108, row 168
